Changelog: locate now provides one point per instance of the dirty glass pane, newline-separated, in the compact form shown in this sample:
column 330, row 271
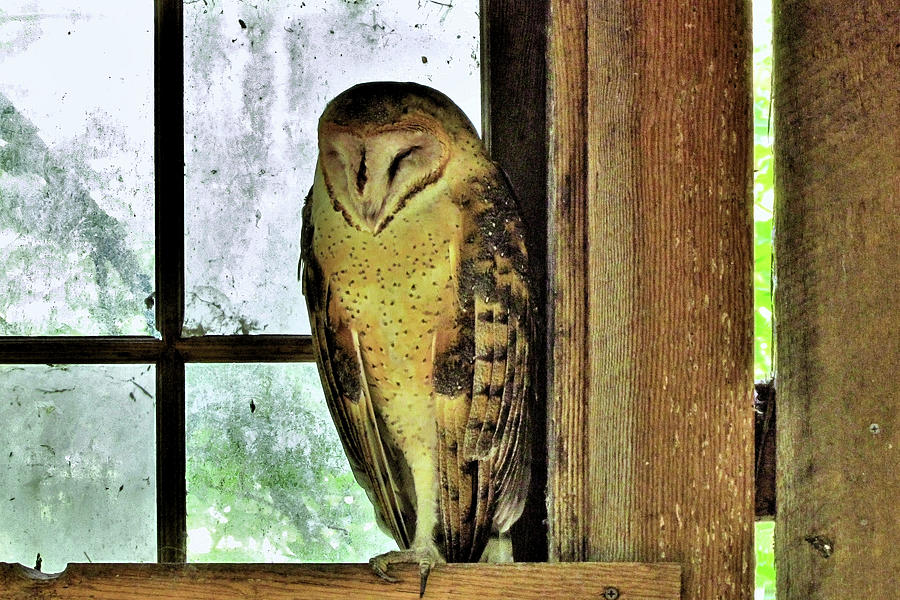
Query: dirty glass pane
column 77, row 466
column 257, row 76
column 76, row 167
column 267, row 477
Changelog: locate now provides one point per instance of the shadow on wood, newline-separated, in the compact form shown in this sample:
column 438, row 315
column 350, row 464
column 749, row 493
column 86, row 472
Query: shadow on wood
column 523, row 581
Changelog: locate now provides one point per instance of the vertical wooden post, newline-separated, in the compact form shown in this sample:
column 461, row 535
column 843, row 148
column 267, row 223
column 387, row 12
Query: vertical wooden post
column 837, row 115
column 568, row 371
column 650, row 381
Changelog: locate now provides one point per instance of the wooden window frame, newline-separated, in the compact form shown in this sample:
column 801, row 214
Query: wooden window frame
column 548, row 69
column 170, row 352
column 578, row 139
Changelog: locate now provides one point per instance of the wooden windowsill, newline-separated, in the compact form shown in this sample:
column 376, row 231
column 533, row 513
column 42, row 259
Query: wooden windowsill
column 196, row 581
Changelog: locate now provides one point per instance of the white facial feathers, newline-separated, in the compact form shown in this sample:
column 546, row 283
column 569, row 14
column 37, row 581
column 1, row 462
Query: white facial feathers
column 371, row 174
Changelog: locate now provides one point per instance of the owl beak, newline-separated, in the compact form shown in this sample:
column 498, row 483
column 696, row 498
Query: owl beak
column 373, row 217
column 370, row 198
column 345, row 159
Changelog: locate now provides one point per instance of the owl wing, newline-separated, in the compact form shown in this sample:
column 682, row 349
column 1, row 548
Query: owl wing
column 482, row 382
column 347, row 395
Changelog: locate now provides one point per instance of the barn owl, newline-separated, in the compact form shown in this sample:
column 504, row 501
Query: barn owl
column 416, row 278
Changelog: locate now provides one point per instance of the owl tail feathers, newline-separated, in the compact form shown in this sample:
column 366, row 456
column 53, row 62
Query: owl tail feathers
column 499, row 549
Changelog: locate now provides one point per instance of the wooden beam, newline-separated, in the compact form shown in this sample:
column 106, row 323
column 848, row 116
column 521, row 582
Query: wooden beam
column 513, row 42
column 837, row 153
column 58, row 350
column 568, row 368
column 246, row 348
column 523, row 581
column 650, row 384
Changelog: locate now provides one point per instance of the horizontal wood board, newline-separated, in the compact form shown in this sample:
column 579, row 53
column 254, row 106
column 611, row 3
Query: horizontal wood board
column 523, row 581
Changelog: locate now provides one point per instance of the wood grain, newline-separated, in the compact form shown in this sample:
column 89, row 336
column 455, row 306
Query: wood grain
column 523, row 581
column 651, row 445
column 837, row 150
column 568, row 370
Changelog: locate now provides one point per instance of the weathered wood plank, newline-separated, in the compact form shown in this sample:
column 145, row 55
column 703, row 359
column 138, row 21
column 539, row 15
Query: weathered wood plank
column 568, row 370
column 523, row 581
column 651, row 410
column 837, row 151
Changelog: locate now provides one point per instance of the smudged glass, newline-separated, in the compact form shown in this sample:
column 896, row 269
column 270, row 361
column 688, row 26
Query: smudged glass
column 77, row 464
column 257, row 77
column 266, row 474
column 76, row 167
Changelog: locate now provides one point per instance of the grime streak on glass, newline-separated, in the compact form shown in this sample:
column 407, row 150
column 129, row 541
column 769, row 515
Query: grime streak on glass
column 257, row 76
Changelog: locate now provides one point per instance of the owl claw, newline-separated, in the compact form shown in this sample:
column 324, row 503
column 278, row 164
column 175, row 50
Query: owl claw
column 424, row 569
column 381, row 564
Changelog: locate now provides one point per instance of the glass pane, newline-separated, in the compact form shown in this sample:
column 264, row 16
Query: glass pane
column 267, row 477
column 76, row 167
column 257, row 76
column 78, row 468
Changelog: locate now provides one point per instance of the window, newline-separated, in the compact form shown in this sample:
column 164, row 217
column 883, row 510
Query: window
column 110, row 366
column 204, row 362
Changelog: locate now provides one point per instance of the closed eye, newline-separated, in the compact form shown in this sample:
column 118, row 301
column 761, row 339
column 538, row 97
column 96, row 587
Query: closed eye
column 361, row 172
column 395, row 164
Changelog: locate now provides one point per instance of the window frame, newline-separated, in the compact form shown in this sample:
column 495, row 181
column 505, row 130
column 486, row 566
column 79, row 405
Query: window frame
column 506, row 32
column 513, row 55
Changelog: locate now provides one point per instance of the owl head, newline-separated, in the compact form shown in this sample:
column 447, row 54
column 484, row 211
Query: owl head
column 381, row 143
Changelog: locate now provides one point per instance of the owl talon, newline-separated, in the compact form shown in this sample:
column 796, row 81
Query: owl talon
column 425, row 559
column 380, row 566
column 424, row 570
